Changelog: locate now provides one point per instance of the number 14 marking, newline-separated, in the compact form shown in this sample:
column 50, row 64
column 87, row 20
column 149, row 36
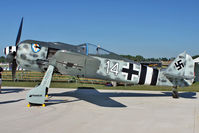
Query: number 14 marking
column 114, row 69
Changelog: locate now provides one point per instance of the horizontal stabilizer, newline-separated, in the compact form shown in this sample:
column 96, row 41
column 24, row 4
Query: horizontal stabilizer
column 179, row 77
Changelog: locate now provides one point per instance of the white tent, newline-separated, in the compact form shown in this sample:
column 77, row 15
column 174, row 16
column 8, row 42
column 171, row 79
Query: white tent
column 196, row 69
column 196, row 60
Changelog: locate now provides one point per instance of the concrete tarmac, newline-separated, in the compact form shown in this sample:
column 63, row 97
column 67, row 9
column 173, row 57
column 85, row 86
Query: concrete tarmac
column 99, row 111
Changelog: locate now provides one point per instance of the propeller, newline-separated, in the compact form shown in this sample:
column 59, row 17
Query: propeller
column 11, row 52
column 14, row 63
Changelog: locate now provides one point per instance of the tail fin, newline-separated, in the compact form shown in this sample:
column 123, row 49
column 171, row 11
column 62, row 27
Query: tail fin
column 181, row 69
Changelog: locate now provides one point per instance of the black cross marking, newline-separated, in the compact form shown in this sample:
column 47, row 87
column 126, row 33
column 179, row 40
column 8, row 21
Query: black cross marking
column 130, row 71
column 179, row 64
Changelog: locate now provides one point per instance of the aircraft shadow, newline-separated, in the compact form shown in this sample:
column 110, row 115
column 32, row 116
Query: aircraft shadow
column 90, row 95
column 17, row 90
column 103, row 99
column 11, row 101
column 52, row 102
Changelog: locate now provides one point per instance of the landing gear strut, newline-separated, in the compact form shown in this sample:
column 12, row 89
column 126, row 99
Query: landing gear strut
column 175, row 92
column 37, row 95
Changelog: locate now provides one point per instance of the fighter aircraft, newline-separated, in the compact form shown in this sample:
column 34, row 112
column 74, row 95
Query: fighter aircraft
column 90, row 61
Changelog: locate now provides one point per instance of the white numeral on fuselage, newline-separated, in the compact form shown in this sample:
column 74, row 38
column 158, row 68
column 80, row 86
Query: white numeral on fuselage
column 114, row 69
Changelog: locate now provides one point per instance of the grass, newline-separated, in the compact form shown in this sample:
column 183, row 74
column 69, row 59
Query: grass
column 193, row 88
column 31, row 79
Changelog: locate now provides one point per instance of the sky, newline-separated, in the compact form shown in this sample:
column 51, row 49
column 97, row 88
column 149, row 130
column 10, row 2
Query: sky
column 151, row 28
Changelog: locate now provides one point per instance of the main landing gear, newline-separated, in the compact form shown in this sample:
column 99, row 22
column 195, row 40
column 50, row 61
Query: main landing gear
column 175, row 92
column 37, row 95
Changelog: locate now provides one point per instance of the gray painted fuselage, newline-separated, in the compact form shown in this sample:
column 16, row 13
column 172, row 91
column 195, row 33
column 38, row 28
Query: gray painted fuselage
column 75, row 60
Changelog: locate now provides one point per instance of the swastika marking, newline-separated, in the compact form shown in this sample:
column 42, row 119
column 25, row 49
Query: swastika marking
column 179, row 65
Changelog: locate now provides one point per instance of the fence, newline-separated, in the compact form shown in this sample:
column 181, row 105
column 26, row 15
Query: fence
column 37, row 77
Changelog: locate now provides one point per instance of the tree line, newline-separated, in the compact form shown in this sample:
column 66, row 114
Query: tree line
column 2, row 59
column 140, row 58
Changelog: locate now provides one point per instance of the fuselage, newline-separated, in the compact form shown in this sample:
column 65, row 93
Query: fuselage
column 90, row 61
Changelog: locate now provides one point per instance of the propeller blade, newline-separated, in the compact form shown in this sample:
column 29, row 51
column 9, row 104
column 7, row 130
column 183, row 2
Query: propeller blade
column 19, row 32
column 14, row 63
column 14, row 68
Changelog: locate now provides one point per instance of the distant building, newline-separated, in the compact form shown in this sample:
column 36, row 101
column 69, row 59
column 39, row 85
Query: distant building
column 196, row 60
column 10, row 68
column 4, row 64
column 166, row 63
column 152, row 64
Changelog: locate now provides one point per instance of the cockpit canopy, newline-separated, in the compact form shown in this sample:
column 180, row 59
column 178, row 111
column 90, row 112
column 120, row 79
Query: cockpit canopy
column 91, row 49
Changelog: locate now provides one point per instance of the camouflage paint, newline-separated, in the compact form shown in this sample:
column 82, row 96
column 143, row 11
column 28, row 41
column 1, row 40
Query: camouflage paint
column 28, row 59
column 179, row 73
